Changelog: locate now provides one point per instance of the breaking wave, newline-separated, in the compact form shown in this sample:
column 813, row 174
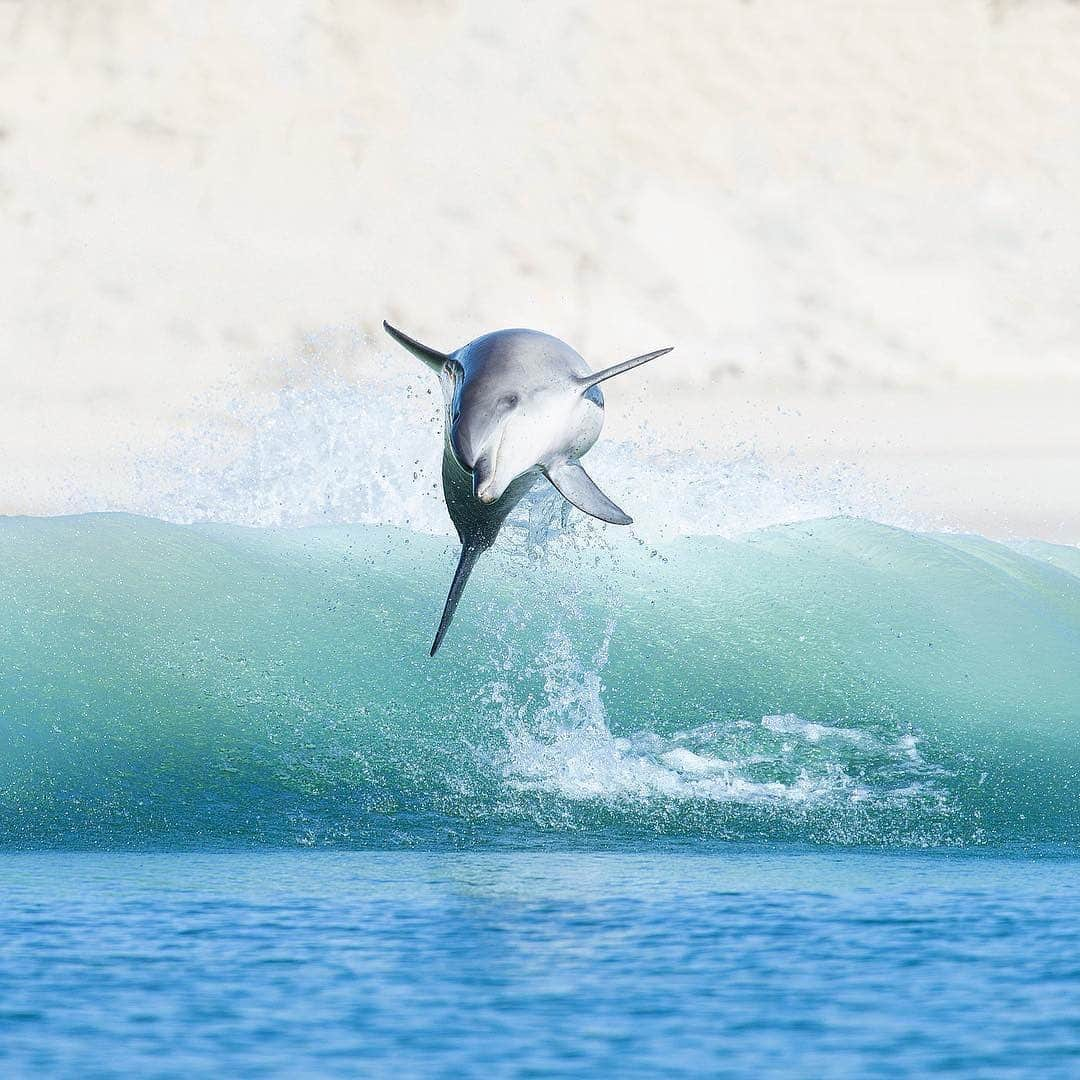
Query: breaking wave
column 832, row 681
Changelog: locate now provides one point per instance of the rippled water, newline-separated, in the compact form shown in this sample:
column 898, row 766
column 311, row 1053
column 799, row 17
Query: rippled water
column 729, row 961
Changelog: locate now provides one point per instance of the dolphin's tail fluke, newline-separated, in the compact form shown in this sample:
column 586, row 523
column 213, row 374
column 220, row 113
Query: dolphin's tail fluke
column 589, row 381
column 469, row 554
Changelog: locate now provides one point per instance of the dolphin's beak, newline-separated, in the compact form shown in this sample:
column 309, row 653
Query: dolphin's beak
column 485, row 491
column 485, row 485
column 481, row 461
column 480, row 451
column 463, row 448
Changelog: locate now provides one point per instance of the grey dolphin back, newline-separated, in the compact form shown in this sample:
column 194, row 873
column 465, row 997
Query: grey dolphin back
column 589, row 381
column 469, row 554
column 432, row 357
column 576, row 486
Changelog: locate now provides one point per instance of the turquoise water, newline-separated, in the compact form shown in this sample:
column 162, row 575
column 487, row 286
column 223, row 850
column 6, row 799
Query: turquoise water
column 834, row 682
column 802, row 803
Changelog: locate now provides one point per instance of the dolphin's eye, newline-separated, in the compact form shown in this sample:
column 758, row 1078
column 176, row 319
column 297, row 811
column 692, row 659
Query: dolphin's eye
column 510, row 401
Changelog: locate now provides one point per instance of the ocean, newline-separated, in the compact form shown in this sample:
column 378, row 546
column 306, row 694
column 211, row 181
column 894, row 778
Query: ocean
column 803, row 802
column 699, row 959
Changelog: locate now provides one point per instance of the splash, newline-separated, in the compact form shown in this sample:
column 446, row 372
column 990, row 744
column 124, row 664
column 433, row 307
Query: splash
column 334, row 447
column 785, row 769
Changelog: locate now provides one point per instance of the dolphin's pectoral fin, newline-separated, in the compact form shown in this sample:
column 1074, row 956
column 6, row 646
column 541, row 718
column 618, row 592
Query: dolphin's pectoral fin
column 589, row 381
column 576, row 486
column 469, row 554
column 432, row 357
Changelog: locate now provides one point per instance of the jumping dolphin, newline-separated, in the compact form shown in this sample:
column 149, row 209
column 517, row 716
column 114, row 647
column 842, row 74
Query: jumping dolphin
column 519, row 405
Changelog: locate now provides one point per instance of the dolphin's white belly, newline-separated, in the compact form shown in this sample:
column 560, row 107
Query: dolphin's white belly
column 567, row 426
column 587, row 421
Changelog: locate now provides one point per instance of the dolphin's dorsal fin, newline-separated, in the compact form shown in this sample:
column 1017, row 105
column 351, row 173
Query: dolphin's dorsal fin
column 432, row 357
column 469, row 554
column 577, row 487
column 588, row 381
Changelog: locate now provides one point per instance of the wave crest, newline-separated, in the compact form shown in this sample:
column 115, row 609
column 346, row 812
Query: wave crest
column 834, row 682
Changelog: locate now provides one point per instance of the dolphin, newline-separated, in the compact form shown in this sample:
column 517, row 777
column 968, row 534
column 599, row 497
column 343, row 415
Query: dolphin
column 519, row 405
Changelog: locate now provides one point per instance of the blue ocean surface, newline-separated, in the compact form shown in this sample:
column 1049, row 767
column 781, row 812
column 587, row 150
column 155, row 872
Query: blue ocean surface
column 804, row 802
column 725, row 960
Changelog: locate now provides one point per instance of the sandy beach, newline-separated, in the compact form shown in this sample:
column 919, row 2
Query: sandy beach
column 856, row 222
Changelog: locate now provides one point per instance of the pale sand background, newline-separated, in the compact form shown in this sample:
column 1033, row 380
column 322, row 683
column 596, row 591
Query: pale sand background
column 859, row 222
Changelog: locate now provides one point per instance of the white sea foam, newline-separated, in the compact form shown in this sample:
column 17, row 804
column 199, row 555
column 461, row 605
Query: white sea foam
column 564, row 746
column 790, row 724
